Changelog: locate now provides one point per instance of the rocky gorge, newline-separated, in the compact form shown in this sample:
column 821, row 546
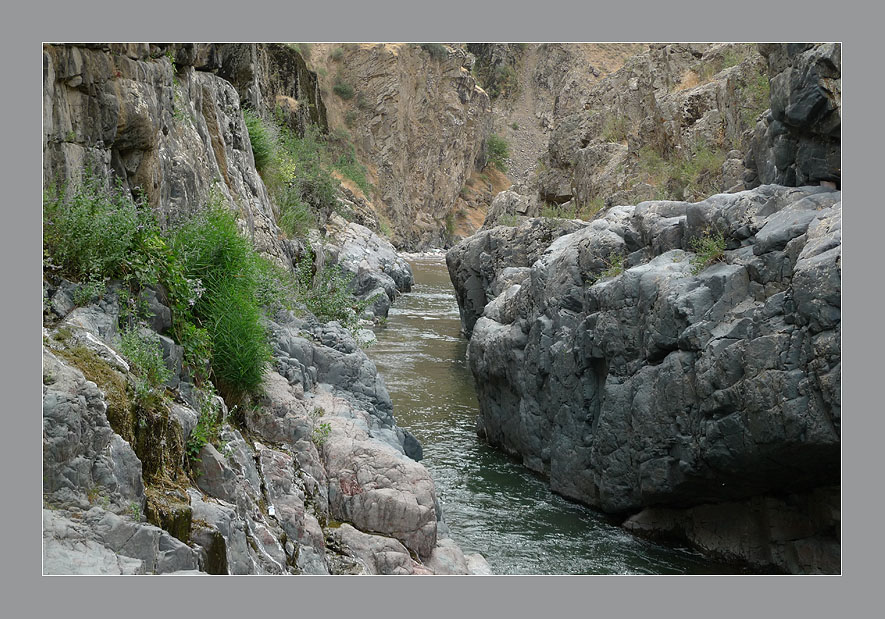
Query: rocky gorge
column 658, row 350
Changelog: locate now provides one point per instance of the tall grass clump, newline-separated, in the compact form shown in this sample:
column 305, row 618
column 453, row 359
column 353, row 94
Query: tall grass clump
column 213, row 251
column 261, row 138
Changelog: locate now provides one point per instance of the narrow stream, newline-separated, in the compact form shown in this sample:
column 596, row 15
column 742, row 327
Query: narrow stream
column 492, row 504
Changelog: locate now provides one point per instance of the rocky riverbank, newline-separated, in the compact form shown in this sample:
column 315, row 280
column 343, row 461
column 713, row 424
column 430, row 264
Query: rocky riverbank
column 678, row 363
column 312, row 475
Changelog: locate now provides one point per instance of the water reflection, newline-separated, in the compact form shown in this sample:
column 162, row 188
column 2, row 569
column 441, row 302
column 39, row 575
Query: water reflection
column 492, row 504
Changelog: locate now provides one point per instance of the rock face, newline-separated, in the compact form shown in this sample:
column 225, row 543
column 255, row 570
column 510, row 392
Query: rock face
column 418, row 120
column 169, row 133
column 525, row 80
column 798, row 141
column 669, row 123
column 321, row 448
column 378, row 272
column 636, row 377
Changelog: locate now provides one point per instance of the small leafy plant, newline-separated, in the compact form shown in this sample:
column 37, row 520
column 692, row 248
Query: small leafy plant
column 615, row 266
column 143, row 350
column 320, row 430
column 206, row 430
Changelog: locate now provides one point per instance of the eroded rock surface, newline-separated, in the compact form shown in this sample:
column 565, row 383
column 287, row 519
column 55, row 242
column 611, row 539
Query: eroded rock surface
column 634, row 377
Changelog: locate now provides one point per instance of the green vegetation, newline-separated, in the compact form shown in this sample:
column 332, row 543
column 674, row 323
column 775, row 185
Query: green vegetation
column 756, row 97
column 615, row 266
column 298, row 174
column 337, row 54
column 497, row 151
column 343, row 89
column 261, row 139
column 350, row 118
column 230, row 272
column 207, row 428
column 514, row 126
column 145, row 356
column 437, row 51
column 708, row 249
column 559, row 211
column 694, row 175
column 319, row 430
column 450, row 223
column 326, row 293
column 508, row 220
column 362, row 102
column 384, row 228
column 217, row 284
column 89, row 234
column 302, row 48
column 501, row 81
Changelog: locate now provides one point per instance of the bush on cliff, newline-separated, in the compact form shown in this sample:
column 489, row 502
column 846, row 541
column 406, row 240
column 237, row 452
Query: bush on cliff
column 497, row 151
column 91, row 230
column 217, row 284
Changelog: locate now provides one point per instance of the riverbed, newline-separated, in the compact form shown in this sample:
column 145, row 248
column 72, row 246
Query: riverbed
column 491, row 503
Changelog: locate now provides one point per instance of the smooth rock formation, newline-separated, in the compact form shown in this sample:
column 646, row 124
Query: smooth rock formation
column 634, row 376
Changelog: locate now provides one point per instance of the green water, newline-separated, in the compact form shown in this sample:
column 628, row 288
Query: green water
column 491, row 503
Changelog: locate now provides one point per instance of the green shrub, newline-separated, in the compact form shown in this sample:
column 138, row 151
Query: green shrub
column 695, row 175
column 615, row 266
column 326, row 293
column 261, row 138
column 350, row 118
column 502, row 80
column 514, row 126
column 362, row 102
column 437, row 51
column 337, row 54
column 616, row 128
column 497, row 151
column 558, row 211
column 90, row 231
column 299, row 180
column 146, row 361
column 508, row 220
column 302, row 48
column 343, row 89
column 347, row 164
column 756, row 98
column 207, row 428
column 708, row 249
column 450, row 223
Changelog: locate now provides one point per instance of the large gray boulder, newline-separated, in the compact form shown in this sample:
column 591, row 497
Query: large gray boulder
column 378, row 272
column 634, row 377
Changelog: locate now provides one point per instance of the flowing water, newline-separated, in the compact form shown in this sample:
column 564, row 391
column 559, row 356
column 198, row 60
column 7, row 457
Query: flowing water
column 492, row 504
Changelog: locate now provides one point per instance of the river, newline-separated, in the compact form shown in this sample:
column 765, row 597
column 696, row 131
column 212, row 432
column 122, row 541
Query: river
column 492, row 504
